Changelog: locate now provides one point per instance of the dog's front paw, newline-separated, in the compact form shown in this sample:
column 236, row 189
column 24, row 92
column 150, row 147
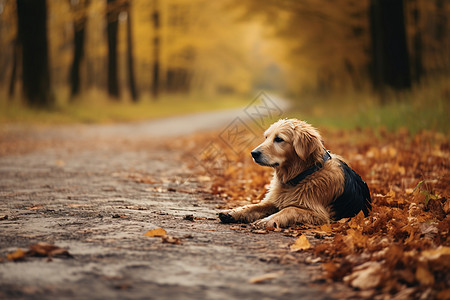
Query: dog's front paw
column 266, row 223
column 226, row 218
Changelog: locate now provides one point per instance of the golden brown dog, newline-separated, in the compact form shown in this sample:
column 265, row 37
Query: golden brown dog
column 309, row 186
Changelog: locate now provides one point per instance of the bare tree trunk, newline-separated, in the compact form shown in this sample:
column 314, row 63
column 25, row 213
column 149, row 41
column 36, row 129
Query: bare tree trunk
column 112, row 28
column 390, row 57
column 156, row 50
column 417, row 44
column 16, row 58
column 79, row 25
column 32, row 31
column 130, row 61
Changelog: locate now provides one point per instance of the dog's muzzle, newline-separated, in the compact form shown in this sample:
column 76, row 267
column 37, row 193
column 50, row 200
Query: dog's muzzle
column 258, row 158
column 256, row 155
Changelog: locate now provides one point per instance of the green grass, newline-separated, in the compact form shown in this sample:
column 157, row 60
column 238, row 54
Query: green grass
column 423, row 108
column 95, row 107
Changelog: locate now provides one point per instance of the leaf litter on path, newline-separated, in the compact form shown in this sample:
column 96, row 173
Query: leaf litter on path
column 160, row 232
column 41, row 249
column 386, row 252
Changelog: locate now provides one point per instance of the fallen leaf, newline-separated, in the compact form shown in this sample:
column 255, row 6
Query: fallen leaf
column 170, row 240
column 445, row 294
column 34, row 207
column 46, row 249
column 264, row 278
column 424, row 276
column 326, row 228
column 365, row 276
column 158, row 232
column 301, row 243
column 19, row 254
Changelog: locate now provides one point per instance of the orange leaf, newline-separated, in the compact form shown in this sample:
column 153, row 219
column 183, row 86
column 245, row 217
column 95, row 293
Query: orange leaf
column 156, row 232
column 35, row 207
column 424, row 276
column 326, row 227
column 18, row 255
column 301, row 243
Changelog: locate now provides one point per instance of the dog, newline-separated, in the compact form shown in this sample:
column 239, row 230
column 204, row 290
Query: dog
column 310, row 185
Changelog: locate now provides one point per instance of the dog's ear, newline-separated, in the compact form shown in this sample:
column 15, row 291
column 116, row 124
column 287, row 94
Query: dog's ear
column 306, row 142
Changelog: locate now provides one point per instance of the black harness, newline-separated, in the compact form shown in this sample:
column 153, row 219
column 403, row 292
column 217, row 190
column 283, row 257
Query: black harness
column 316, row 167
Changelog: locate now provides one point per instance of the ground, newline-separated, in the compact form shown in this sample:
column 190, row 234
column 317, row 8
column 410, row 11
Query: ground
column 97, row 189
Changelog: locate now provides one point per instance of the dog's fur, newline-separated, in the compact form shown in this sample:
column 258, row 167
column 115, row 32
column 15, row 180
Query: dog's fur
column 333, row 190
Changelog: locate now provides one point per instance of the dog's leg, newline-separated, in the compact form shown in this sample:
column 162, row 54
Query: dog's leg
column 248, row 213
column 292, row 215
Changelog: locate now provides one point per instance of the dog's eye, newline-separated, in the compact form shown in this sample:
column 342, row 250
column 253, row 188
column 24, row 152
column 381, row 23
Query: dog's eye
column 277, row 139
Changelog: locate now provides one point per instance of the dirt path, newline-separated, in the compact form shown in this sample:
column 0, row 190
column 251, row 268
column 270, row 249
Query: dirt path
column 96, row 190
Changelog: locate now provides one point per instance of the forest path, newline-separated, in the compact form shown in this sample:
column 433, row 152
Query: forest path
column 97, row 189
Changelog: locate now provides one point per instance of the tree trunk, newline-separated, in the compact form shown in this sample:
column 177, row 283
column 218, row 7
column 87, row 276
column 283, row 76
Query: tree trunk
column 390, row 58
column 112, row 27
column 417, row 44
column 79, row 25
column 32, row 31
column 156, row 50
column 16, row 58
column 130, row 62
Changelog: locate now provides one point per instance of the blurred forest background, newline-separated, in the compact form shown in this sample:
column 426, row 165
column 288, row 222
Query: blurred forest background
column 372, row 59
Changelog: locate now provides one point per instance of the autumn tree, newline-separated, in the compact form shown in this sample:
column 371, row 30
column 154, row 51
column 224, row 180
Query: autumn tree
column 32, row 36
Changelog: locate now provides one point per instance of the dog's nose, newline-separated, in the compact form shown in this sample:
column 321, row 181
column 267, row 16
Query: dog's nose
column 256, row 154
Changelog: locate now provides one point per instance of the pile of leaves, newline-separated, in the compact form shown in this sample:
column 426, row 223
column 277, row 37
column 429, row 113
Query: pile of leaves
column 402, row 248
column 41, row 249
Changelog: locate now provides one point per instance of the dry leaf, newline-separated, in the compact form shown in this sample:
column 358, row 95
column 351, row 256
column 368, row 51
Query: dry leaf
column 264, row 278
column 39, row 249
column 158, row 232
column 301, row 243
column 326, row 228
column 365, row 276
column 19, row 254
column 35, row 207
column 441, row 254
column 442, row 295
column 170, row 240
column 46, row 249
column 424, row 276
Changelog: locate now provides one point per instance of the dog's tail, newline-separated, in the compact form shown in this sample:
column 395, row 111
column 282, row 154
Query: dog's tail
column 356, row 196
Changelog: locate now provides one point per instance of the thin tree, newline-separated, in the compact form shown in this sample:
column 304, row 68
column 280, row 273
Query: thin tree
column 130, row 60
column 419, row 70
column 15, row 65
column 156, row 49
column 79, row 23
column 112, row 17
column 32, row 34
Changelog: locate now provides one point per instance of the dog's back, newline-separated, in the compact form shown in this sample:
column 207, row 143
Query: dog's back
column 354, row 198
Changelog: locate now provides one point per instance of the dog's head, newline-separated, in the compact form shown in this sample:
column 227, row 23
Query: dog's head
column 288, row 143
